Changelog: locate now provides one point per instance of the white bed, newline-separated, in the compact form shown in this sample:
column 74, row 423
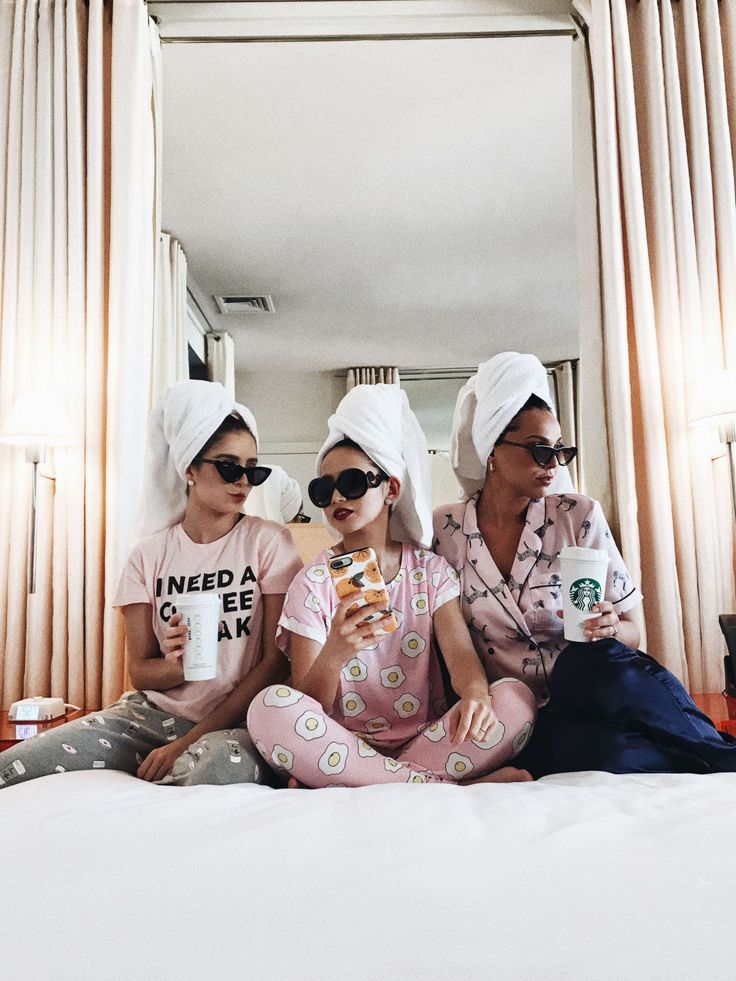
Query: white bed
column 579, row 876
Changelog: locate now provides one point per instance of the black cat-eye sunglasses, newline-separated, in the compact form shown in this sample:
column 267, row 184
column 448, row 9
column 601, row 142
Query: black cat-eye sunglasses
column 230, row 472
column 543, row 454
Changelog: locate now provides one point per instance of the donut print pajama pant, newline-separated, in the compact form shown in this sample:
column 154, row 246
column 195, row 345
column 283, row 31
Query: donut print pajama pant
column 121, row 736
column 293, row 733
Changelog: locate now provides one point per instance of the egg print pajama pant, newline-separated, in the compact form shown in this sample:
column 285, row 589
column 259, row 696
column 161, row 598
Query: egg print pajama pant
column 121, row 736
column 293, row 733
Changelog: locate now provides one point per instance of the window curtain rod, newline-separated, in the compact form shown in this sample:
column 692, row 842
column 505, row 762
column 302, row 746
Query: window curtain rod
column 429, row 36
column 439, row 374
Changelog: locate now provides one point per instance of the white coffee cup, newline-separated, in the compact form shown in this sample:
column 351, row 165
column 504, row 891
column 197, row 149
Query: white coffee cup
column 200, row 613
column 584, row 572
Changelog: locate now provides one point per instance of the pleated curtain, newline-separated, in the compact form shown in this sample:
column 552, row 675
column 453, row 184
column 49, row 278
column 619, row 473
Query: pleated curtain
column 170, row 355
column 77, row 228
column 664, row 112
column 372, row 376
column 221, row 359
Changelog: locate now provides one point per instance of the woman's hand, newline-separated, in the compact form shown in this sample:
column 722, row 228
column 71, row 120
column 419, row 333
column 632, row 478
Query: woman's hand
column 471, row 718
column 349, row 633
column 159, row 762
column 176, row 635
column 606, row 625
column 315, row 669
column 603, row 627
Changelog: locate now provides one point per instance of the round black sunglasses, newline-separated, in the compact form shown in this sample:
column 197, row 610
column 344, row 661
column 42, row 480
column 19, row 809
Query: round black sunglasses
column 543, row 454
column 352, row 484
column 230, row 472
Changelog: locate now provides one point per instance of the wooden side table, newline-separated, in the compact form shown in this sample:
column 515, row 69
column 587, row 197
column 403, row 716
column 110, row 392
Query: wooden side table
column 15, row 732
column 720, row 708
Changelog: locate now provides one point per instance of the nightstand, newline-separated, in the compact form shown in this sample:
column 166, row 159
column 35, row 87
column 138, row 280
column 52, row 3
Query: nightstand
column 15, row 732
column 720, row 708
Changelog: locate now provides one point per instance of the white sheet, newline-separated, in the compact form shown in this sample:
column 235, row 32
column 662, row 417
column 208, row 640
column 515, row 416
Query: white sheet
column 579, row 876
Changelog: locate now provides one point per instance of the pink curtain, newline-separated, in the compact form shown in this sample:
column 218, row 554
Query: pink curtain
column 77, row 236
column 664, row 101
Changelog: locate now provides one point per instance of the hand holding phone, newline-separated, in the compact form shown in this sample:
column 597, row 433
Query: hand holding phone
column 356, row 574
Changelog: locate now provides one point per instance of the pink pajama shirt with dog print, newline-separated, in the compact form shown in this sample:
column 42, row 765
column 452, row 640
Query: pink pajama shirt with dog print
column 389, row 721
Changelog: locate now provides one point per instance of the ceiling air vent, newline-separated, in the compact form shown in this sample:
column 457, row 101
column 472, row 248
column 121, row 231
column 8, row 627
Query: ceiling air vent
column 244, row 304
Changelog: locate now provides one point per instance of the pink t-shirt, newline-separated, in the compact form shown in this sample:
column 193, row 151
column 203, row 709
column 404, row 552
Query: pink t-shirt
column 390, row 691
column 255, row 558
column 514, row 623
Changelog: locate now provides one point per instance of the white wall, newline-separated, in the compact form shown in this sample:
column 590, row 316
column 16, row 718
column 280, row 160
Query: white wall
column 289, row 406
column 412, row 197
column 291, row 409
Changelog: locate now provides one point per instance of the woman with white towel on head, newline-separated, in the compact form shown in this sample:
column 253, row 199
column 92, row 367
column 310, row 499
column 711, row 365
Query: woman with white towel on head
column 367, row 706
column 603, row 705
column 278, row 499
column 201, row 462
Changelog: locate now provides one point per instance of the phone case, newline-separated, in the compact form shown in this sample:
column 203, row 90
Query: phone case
column 357, row 573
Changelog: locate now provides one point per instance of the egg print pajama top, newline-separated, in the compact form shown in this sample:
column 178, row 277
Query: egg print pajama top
column 603, row 705
column 389, row 719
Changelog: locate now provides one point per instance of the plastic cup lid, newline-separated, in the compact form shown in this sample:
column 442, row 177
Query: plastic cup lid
column 197, row 599
column 584, row 554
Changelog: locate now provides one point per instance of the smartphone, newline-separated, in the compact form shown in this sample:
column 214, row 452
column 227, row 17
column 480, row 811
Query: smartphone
column 357, row 574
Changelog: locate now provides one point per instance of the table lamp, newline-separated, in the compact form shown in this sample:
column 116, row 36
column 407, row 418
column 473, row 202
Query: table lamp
column 35, row 421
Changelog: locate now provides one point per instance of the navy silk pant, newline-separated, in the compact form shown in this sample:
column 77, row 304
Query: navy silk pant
column 615, row 709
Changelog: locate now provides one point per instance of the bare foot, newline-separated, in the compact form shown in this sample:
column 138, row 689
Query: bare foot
column 506, row 774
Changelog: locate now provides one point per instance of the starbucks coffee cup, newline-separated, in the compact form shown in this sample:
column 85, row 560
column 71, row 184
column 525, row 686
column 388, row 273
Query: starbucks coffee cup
column 200, row 612
column 584, row 573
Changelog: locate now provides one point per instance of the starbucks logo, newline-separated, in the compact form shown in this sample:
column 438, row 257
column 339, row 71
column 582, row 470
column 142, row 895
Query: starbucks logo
column 585, row 593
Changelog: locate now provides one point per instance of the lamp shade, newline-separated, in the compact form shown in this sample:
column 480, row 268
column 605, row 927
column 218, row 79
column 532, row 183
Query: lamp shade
column 715, row 404
column 36, row 419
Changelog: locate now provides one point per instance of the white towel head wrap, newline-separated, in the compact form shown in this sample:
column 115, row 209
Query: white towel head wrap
column 485, row 406
column 181, row 422
column 278, row 499
column 379, row 419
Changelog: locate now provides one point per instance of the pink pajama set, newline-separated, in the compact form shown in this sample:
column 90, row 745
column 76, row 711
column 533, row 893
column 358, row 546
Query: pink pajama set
column 389, row 722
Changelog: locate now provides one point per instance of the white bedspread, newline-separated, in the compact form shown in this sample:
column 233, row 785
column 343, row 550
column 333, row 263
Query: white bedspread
column 579, row 876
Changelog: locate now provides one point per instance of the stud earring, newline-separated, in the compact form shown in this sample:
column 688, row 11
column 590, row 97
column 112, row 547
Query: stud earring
column 491, row 468
column 190, row 483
